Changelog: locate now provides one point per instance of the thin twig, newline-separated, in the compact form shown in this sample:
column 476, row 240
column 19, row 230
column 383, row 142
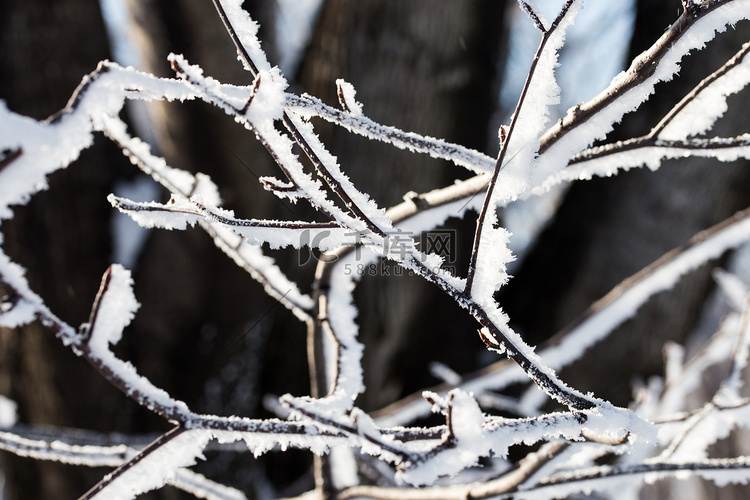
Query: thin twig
column 232, row 248
column 297, row 135
column 685, row 145
column 526, row 8
column 103, row 287
column 361, row 125
column 202, row 210
column 509, row 481
column 500, row 163
column 601, row 473
column 705, row 83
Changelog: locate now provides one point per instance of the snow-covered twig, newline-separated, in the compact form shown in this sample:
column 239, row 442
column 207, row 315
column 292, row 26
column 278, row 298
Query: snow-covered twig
column 709, row 96
column 721, row 471
column 601, row 318
column 308, row 106
column 587, row 122
column 59, row 445
column 249, row 257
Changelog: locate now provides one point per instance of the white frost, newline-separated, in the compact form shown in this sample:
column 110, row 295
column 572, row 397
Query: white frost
column 348, row 94
column 247, row 32
column 599, row 125
column 158, row 467
column 710, row 104
column 114, row 311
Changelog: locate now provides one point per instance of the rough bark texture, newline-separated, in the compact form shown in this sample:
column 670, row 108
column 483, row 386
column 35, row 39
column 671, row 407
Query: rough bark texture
column 422, row 66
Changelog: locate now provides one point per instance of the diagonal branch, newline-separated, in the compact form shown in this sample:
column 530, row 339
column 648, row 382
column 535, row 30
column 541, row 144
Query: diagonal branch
column 734, row 62
column 642, row 71
column 110, row 478
column 307, row 142
column 526, row 8
column 602, row 317
column 260, row 267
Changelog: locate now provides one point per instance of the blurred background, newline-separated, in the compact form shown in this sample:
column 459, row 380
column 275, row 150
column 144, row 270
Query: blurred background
column 208, row 334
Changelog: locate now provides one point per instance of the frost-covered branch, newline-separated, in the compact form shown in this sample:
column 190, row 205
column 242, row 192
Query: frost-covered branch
column 592, row 120
column 60, row 451
column 722, row 471
column 62, row 445
column 247, row 256
column 308, row 106
column 537, row 92
column 510, row 178
column 707, row 102
column 600, row 319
